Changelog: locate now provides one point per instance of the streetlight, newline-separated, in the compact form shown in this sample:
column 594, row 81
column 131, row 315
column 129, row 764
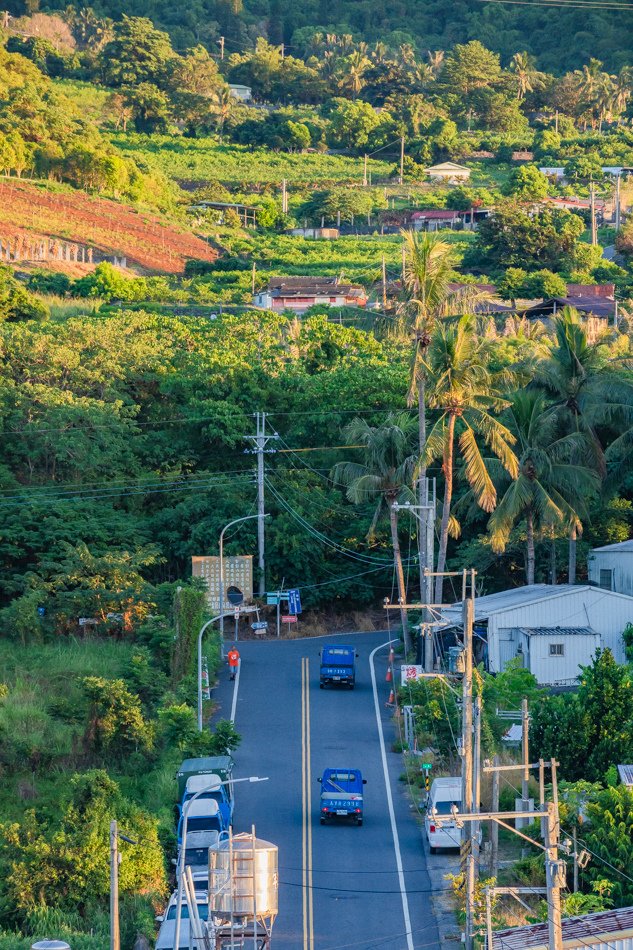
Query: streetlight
column 183, row 847
column 225, row 528
column 200, row 635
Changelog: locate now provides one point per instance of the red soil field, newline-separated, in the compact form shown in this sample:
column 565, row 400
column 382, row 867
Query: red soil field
column 109, row 228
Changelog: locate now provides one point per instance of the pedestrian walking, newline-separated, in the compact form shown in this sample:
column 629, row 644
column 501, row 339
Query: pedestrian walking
column 234, row 661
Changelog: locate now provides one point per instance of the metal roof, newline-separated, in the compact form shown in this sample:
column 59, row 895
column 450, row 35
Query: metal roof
column 587, row 930
column 522, row 596
column 558, row 631
column 626, row 774
column 625, row 546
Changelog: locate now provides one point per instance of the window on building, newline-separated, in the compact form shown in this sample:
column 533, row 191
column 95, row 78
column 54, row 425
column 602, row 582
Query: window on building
column 557, row 649
column 606, row 579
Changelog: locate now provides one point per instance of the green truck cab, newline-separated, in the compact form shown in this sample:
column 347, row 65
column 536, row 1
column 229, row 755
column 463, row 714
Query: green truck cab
column 220, row 765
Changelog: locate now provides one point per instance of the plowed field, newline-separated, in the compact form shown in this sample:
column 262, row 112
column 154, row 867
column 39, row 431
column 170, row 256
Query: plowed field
column 29, row 212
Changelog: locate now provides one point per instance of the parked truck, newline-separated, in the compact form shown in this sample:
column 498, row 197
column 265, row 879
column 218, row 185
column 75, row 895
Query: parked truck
column 216, row 767
column 342, row 795
column 338, row 666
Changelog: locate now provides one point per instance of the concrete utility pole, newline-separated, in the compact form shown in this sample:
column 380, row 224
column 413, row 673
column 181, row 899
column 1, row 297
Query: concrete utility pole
column 525, row 782
column 401, row 180
column 494, row 830
column 365, row 171
column 468, row 604
column 221, row 41
column 592, row 199
column 260, row 441
column 384, row 283
column 253, row 272
column 617, row 202
column 284, row 196
column 115, row 937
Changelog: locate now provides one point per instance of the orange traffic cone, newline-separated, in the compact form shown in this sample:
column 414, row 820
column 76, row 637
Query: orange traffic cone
column 392, row 699
column 389, row 675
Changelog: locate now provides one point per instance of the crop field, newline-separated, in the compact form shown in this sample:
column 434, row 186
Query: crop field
column 354, row 257
column 204, row 159
column 30, row 213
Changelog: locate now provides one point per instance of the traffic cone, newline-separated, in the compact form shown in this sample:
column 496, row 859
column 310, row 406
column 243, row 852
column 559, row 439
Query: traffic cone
column 391, row 657
column 392, row 699
column 389, row 675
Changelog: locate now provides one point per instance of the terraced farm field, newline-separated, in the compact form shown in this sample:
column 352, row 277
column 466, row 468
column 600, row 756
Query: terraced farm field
column 30, row 213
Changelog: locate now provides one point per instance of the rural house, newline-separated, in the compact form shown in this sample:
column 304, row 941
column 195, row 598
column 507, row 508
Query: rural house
column 433, row 219
column 301, row 293
column 608, row 929
column 611, row 567
column 553, row 629
column 448, row 171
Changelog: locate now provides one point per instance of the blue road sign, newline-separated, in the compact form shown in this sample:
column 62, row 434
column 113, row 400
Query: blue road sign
column 294, row 602
column 259, row 625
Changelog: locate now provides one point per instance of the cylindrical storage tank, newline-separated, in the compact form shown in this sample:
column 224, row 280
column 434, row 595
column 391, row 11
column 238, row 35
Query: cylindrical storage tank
column 50, row 945
column 246, row 853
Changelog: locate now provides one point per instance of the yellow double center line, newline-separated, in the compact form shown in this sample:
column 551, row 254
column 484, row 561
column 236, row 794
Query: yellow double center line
column 306, row 790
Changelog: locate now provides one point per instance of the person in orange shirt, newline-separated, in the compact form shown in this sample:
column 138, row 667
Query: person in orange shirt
column 234, row 661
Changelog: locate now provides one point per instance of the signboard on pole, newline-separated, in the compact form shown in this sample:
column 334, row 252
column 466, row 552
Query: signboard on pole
column 411, row 673
column 294, row 602
column 289, row 618
column 206, row 692
column 238, row 572
column 275, row 597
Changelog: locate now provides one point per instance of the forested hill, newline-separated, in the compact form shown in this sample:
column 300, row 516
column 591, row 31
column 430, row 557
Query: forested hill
column 560, row 37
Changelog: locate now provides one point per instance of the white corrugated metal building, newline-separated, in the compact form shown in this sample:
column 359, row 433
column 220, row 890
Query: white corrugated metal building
column 612, row 929
column 611, row 567
column 554, row 628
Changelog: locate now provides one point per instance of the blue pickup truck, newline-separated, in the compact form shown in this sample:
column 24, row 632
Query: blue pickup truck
column 338, row 666
column 342, row 795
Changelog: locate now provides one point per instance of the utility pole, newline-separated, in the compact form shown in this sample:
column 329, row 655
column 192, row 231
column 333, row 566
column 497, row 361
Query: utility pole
column 554, row 875
column 365, row 171
column 260, row 441
column 284, row 197
column 525, row 782
column 283, row 51
column 384, row 283
column 253, row 279
column 115, row 937
column 592, row 199
column 556, row 123
column 494, row 830
column 617, row 202
column 467, row 746
column 221, row 41
column 401, row 179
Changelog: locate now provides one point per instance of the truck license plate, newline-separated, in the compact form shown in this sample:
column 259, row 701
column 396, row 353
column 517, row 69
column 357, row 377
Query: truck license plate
column 341, row 811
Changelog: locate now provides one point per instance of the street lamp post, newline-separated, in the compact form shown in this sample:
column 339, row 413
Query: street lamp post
column 200, row 635
column 183, row 847
column 225, row 528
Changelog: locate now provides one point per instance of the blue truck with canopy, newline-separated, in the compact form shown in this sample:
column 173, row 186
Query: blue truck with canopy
column 342, row 794
column 338, row 665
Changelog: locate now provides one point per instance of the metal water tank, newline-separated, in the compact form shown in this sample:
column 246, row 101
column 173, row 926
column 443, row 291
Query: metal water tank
column 247, row 853
column 50, row 945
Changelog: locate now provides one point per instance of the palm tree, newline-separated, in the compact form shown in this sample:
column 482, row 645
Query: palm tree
column 353, row 69
column 464, row 389
column 428, row 270
column 385, row 475
column 436, row 61
column 604, row 98
column 623, row 90
column 523, row 69
column 587, row 393
column 223, row 106
column 552, row 487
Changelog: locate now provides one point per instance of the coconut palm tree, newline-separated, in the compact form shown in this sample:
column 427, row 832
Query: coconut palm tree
column 523, row 68
column 385, row 476
column 465, row 390
column 353, row 69
column 623, row 90
column 553, row 485
column 587, row 393
column 436, row 61
column 223, row 107
column 429, row 297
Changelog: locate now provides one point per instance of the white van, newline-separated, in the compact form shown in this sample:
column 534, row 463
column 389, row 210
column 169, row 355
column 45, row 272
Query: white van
column 445, row 794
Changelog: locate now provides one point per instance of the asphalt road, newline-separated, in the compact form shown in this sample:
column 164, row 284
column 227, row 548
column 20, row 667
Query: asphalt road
column 340, row 885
